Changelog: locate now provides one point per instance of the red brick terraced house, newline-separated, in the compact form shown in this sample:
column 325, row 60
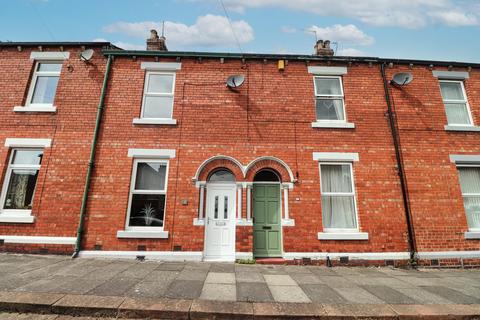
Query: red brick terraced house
column 222, row 156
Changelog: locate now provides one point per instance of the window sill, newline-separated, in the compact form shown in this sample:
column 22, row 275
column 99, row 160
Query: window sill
column 326, row 124
column 461, row 128
column 343, row 236
column 142, row 234
column 472, row 235
column 16, row 219
column 51, row 109
column 155, row 121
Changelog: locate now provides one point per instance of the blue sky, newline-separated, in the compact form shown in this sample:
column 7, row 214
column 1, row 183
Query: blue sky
column 419, row 29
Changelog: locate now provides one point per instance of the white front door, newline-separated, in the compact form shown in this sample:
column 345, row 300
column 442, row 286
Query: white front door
column 220, row 222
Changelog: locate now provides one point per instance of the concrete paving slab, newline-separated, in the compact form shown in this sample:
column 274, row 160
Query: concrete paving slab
column 171, row 266
column 194, row 275
column 322, row 294
column 452, row 295
column 279, row 270
column 49, row 284
column 296, row 270
column 279, row 280
column 288, row 294
column 27, row 301
column 220, row 277
column 336, row 281
column 305, row 278
column 77, row 286
column 423, row 296
column 116, row 286
column 243, row 276
column 253, row 292
column 27, row 316
column 206, row 310
column 418, row 281
column 147, row 289
column 288, row 311
column 155, row 308
column 220, row 292
column 357, row 295
column 161, row 276
column 222, row 267
column 389, row 295
column 322, row 271
column 184, row 289
column 193, row 265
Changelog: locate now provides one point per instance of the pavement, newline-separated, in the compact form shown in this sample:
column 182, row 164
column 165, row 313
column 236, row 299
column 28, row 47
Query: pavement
column 129, row 288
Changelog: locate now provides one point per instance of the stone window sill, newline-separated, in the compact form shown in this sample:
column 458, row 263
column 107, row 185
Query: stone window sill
column 472, row 234
column 171, row 122
column 461, row 128
column 343, row 236
column 160, row 234
column 51, row 109
column 326, row 124
column 16, row 218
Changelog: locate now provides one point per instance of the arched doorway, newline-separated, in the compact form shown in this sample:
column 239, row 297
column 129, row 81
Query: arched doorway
column 267, row 222
column 220, row 216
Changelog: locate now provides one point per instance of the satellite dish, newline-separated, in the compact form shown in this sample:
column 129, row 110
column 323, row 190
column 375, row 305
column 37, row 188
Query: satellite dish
column 86, row 55
column 235, row 81
column 402, row 79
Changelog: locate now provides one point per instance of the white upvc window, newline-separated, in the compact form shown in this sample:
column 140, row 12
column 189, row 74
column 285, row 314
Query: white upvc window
column 158, row 95
column 339, row 213
column 148, row 188
column 43, row 86
column 469, row 176
column 20, row 182
column 329, row 96
column 456, row 104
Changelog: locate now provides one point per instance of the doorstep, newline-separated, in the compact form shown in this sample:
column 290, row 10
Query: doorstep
column 276, row 261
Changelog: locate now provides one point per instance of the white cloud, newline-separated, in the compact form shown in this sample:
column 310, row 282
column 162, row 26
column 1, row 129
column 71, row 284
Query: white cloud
column 401, row 13
column 208, row 31
column 455, row 18
column 348, row 34
column 121, row 44
column 350, row 52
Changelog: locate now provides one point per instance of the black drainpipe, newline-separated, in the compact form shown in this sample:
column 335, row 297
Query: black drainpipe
column 91, row 162
column 401, row 171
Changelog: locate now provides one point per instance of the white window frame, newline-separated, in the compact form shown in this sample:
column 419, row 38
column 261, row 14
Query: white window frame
column 156, row 94
column 330, row 96
column 460, row 165
column 465, row 100
column 33, row 82
column 133, row 191
column 353, row 193
column 17, row 213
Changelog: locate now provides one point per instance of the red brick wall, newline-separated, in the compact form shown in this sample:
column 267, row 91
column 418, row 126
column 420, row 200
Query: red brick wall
column 270, row 116
column 436, row 201
column 60, row 184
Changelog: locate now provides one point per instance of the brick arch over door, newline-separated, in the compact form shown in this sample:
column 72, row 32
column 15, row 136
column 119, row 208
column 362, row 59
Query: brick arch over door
column 286, row 174
column 218, row 162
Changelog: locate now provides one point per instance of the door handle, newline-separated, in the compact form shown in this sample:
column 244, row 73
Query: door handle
column 267, row 227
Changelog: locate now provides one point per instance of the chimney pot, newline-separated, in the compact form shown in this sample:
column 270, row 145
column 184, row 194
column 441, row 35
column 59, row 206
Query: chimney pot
column 322, row 48
column 156, row 43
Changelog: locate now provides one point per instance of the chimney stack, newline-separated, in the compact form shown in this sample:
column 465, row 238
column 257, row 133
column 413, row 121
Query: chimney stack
column 322, row 48
column 155, row 42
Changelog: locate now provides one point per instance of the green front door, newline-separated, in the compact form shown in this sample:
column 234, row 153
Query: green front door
column 267, row 233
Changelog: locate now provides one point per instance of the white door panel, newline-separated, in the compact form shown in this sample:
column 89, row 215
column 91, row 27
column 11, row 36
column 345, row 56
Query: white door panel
column 220, row 222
